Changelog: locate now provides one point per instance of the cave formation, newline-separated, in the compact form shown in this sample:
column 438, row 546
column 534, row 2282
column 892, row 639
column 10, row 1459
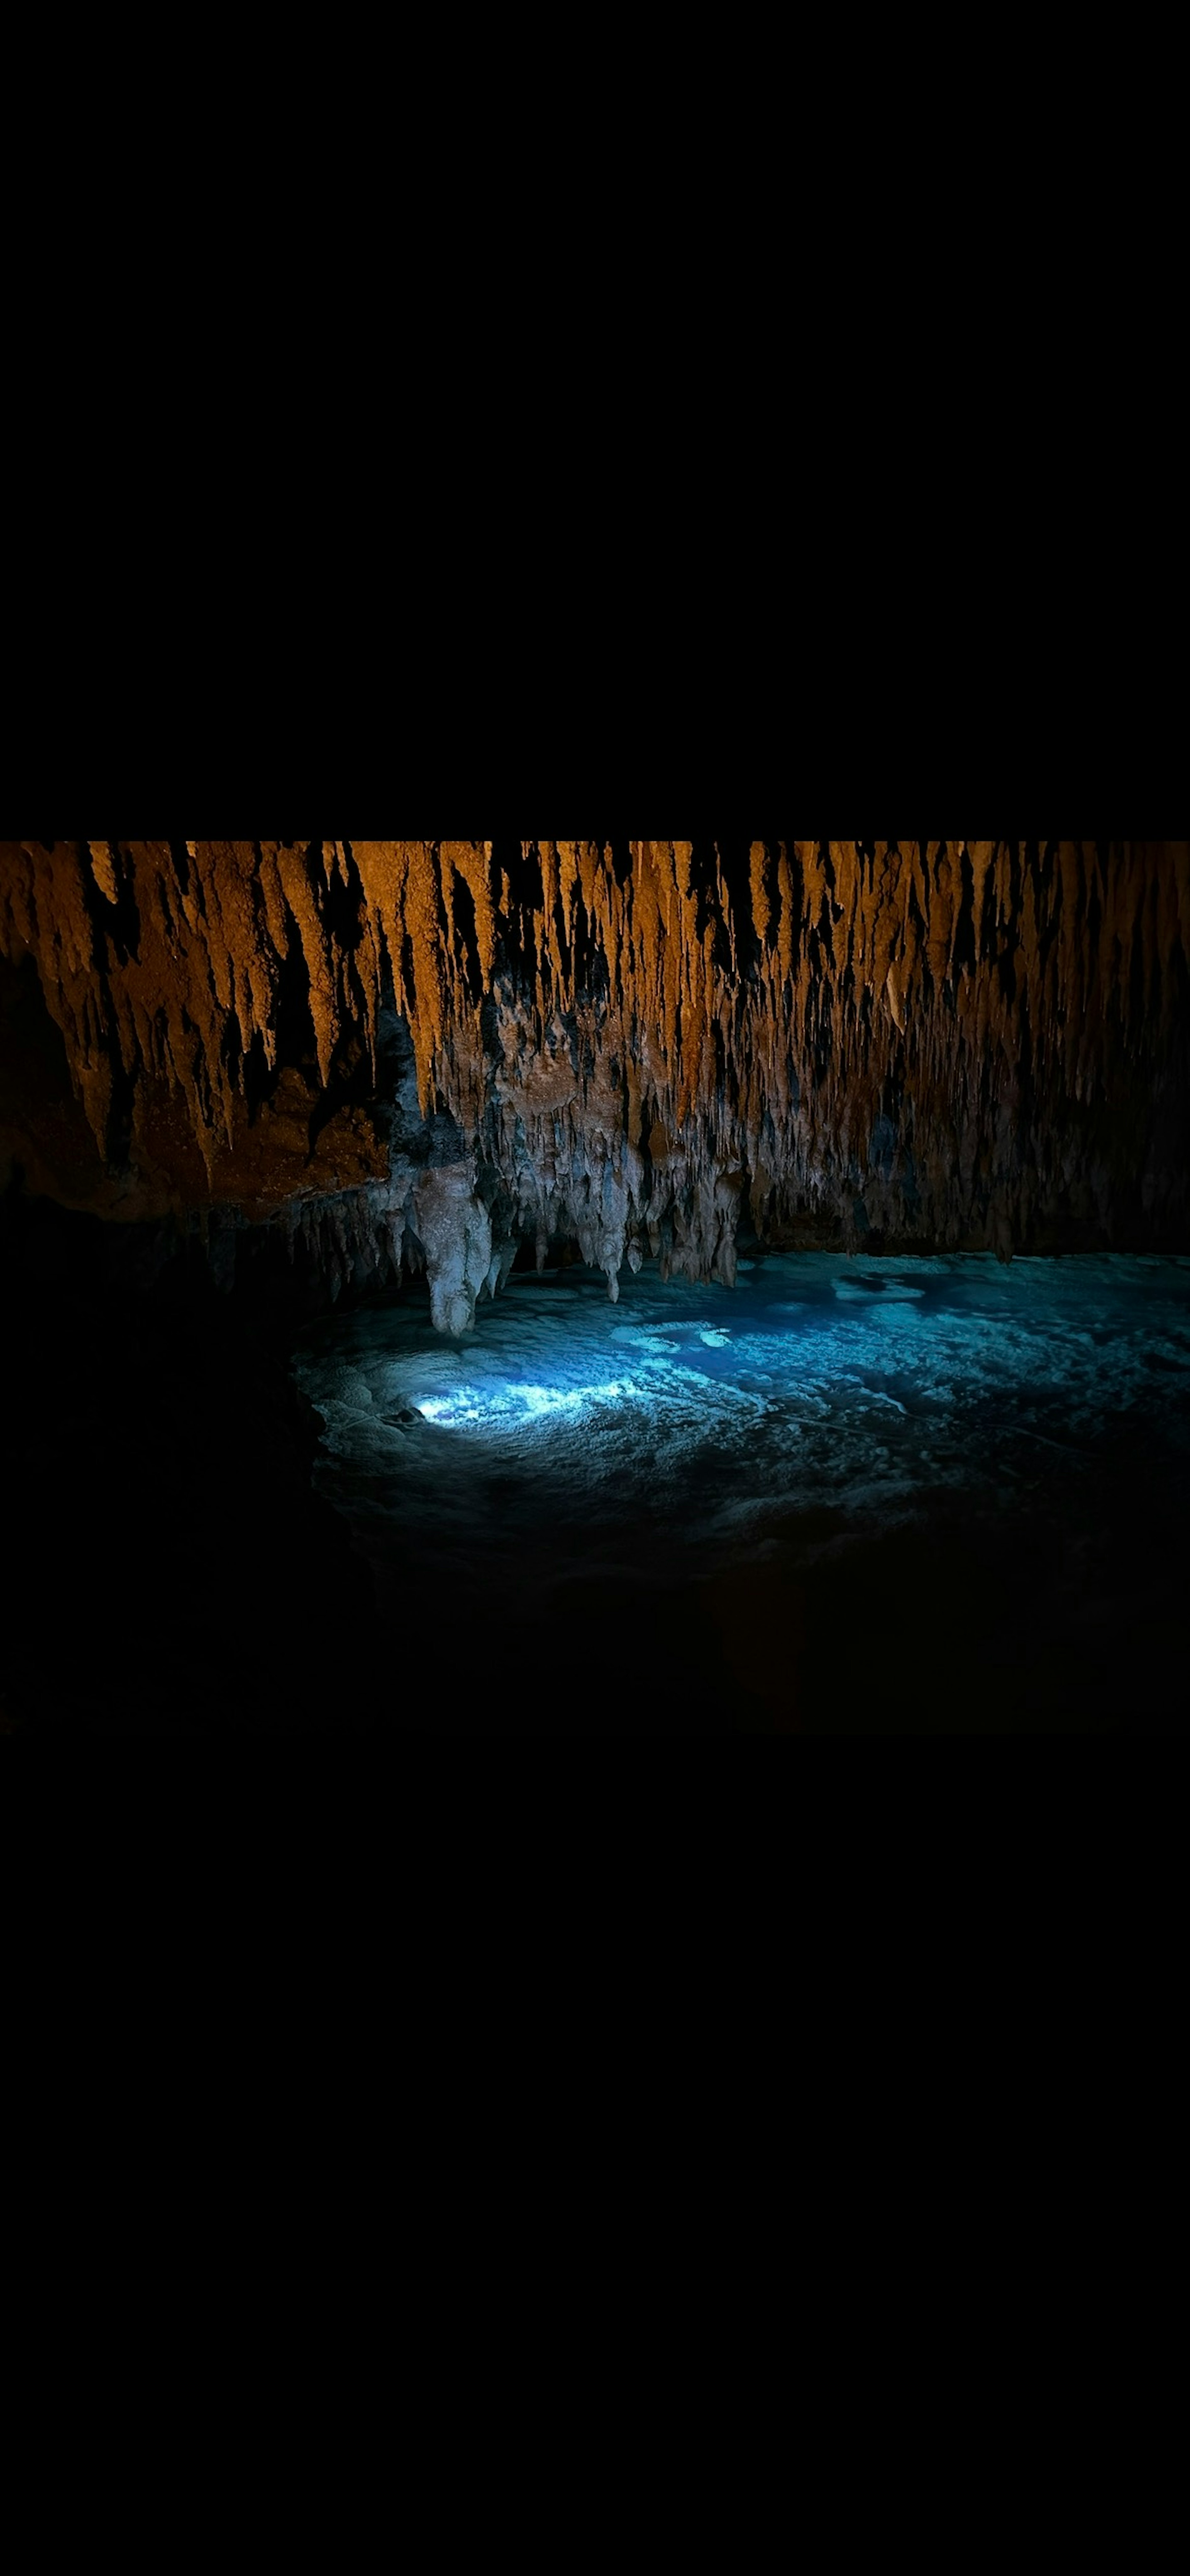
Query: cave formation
column 420, row 1056
column 331, row 1071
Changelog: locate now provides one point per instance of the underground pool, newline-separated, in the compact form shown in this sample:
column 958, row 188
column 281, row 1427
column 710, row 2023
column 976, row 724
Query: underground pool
column 847, row 1495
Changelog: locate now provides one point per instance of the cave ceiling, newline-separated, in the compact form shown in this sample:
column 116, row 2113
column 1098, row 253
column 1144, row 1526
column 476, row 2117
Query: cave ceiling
column 426, row 1053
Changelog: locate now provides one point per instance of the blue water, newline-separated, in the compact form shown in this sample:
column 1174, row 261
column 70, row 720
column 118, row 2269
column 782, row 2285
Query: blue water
column 570, row 1450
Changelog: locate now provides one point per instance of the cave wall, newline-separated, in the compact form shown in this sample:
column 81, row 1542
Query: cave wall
column 417, row 1055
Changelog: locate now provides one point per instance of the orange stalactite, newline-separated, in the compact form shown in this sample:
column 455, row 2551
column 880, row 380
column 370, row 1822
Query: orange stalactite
column 103, row 869
column 755, row 1021
column 761, row 911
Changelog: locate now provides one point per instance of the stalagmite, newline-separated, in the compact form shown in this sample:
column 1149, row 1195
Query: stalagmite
column 615, row 1046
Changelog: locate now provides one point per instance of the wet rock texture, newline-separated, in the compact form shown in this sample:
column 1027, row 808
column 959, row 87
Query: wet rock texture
column 418, row 1056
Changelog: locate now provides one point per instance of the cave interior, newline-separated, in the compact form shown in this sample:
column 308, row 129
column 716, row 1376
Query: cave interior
column 600, row 1286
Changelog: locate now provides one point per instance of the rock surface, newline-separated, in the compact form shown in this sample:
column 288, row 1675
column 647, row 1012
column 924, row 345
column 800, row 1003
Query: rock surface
column 414, row 1055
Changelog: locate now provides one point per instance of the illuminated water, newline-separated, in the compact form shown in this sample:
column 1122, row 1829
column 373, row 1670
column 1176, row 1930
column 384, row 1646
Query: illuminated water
column 894, row 1446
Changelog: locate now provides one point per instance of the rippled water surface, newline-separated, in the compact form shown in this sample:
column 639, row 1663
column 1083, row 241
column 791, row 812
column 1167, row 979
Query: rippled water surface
column 844, row 1493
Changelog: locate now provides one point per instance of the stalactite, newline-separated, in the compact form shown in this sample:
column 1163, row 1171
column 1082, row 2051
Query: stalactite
column 630, row 1049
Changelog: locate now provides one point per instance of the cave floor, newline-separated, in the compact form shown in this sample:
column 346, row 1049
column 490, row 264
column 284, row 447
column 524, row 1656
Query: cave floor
column 863, row 1495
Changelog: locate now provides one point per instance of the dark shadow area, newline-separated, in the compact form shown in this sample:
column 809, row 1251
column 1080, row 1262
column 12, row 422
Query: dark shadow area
column 168, row 1568
column 1042, row 1629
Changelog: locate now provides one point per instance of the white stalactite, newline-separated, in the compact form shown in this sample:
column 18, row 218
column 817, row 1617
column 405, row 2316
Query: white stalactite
column 456, row 1230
